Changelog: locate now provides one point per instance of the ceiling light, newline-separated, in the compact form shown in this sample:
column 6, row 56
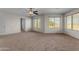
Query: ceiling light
column 30, row 12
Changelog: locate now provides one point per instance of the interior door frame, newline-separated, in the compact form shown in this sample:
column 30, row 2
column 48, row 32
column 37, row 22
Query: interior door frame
column 22, row 22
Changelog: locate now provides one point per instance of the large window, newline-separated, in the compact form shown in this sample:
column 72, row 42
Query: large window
column 39, row 23
column 36, row 23
column 54, row 22
column 69, row 22
column 51, row 23
column 73, row 22
column 65, row 22
column 76, row 21
column 57, row 22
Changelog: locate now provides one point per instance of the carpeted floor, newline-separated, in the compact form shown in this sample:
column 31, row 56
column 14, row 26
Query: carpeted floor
column 32, row 41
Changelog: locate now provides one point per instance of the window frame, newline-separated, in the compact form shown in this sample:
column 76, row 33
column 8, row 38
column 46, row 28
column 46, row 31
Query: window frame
column 59, row 23
column 54, row 22
column 71, row 22
column 37, row 27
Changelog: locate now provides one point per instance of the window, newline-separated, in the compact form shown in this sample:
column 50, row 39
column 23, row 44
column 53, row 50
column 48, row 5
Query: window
column 65, row 22
column 54, row 22
column 76, row 21
column 57, row 22
column 51, row 23
column 69, row 22
column 73, row 22
column 37, row 23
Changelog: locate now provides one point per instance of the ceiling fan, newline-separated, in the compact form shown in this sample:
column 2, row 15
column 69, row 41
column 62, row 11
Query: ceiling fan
column 32, row 12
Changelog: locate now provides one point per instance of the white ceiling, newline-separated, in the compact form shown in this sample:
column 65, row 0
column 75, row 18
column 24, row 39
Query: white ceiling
column 17, row 11
column 54, row 10
column 24, row 11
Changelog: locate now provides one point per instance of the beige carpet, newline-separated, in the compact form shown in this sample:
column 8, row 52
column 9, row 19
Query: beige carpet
column 32, row 41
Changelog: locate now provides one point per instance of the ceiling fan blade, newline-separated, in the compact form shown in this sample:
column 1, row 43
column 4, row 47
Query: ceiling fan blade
column 35, row 12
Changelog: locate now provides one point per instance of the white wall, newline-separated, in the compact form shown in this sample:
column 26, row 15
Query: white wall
column 2, row 26
column 28, row 24
column 72, row 33
column 12, row 24
column 9, row 23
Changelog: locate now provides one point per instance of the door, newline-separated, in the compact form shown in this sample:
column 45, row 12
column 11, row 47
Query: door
column 22, row 24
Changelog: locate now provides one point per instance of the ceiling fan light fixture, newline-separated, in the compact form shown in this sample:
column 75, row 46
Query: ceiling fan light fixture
column 30, row 12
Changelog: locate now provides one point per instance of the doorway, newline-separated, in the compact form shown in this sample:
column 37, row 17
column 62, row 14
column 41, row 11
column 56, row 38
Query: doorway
column 22, row 24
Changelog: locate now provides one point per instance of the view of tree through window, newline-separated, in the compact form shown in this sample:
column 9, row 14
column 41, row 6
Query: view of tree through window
column 51, row 23
column 54, row 22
